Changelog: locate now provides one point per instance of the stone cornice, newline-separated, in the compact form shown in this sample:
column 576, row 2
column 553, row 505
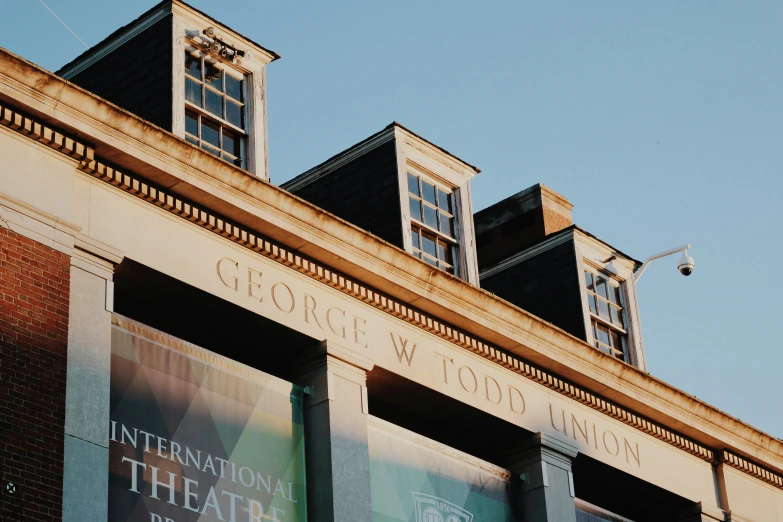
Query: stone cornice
column 218, row 224
column 208, row 183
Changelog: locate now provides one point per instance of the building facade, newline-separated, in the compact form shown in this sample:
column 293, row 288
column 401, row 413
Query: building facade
column 182, row 340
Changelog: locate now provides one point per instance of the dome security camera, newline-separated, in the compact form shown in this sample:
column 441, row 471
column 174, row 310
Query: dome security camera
column 686, row 264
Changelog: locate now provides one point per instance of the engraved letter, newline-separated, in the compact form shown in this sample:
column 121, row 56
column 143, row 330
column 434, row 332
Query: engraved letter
column 564, row 431
column 635, row 456
column 310, row 310
column 341, row 327
column 290, row 295
column 402, row 350
column 357, row 330
column 445, row 374
column 616, row 444
column 576, row 426
column 231, row 281
column 511, row 389
column 472, row 375
column 254, row 287
column 487, row 378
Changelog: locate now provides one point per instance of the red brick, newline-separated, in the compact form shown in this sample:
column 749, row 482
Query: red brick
column 34, row 286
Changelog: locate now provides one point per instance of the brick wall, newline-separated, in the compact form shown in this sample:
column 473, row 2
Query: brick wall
column 34, row 290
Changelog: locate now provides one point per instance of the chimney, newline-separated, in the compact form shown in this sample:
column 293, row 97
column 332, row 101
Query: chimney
column 518, row 222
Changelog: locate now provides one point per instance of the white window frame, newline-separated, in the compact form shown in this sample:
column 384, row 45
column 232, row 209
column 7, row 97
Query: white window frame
column 419, row 157
column 613, row 281
column 592, row 255
column 453, row 241
column 243, row 134
column 459, row 194
column 253, row 67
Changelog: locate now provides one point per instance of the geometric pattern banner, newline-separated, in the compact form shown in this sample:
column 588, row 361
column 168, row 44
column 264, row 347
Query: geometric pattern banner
column 415, row 479
column 195, row 436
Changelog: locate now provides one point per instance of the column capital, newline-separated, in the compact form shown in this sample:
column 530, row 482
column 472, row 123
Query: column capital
column 327, row 361
column 543, row 447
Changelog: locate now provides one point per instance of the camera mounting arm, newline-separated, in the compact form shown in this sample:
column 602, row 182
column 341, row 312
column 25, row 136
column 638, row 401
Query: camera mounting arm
column 684, row 249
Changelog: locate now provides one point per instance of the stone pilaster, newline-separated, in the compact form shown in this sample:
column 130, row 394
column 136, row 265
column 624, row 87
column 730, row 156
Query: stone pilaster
column 85, row 480
column 546, row 489
column 337, row 456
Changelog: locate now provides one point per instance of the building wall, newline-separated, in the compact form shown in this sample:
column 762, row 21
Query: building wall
column 364, row 192
column 34, row 295
column 546, row 285
column 137, row 76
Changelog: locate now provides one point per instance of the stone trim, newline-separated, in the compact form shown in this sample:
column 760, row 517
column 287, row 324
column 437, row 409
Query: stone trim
column 166, row 200
column 44, row 134
column 746, row 466
column 169, row 201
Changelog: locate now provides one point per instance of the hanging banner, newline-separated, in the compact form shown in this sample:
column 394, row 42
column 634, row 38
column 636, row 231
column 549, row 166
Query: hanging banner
column 415, row 479
column 195, row 436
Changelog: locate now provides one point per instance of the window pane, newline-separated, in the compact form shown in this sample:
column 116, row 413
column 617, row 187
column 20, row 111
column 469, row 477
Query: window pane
column 232, row 159
column 192, row 92
column 231, row 143
column 600, row 286
column 589, row 280
column 191, row 123
column 615, row 337
column 443, row 249
column 446, row 224
column 415, row 238
column 444, row 201
column 614, row 295
column 213, row 76
column 446, row 268
column 591, row 302
column 444, row 252
column 603, row 333
column 234, row 114
column 210, row 149
column 430, row 261
column 234, row 87
column 210, row 132
column 428, row 244
column 413, row 184
column 193, row 65
column 430, row 216
column 192, row 140
column 617, row 316
column 415, row 205
column 214, row 103
column 428, row 192
column 613, row 314
column 603, row 309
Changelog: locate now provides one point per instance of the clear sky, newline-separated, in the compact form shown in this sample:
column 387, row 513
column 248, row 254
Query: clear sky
column 662, row 122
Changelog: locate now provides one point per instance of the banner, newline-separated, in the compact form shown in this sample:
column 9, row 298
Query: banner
column 415, row 479
column 197, row 437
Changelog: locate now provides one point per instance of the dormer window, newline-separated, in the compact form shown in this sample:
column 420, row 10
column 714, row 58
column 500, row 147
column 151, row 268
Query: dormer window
column 433, row 223
column 215, row 113
column 607, row 314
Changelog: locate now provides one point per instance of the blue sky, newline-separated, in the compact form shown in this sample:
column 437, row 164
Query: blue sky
column 662, row 122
